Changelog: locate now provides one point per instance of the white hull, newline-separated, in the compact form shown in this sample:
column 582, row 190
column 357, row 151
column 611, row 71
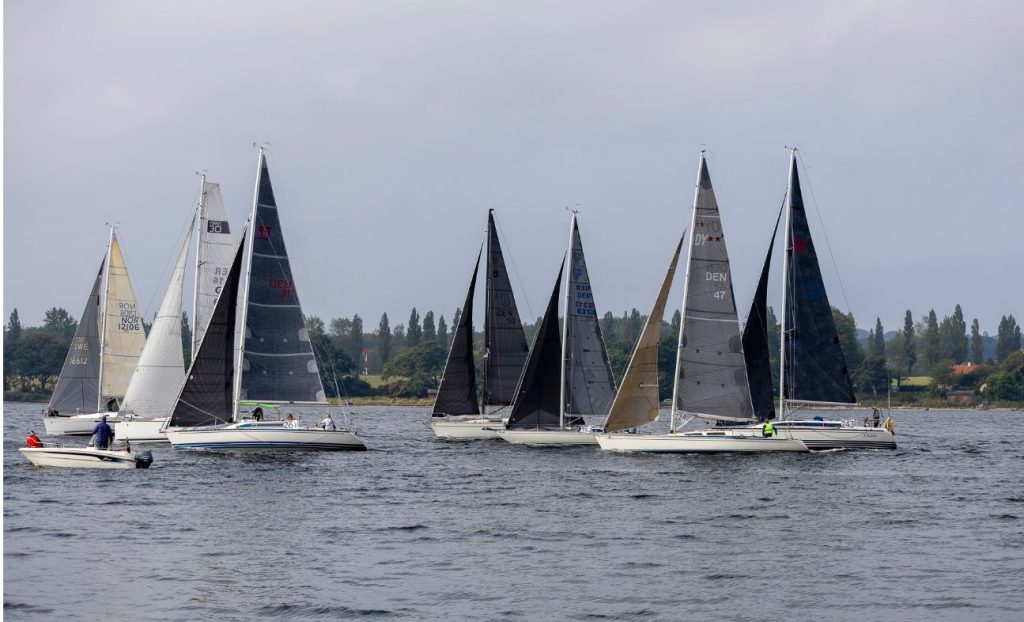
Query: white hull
column 82, row 458
column 549, row 437
column 818, row 435
column 254, row 436
column 466, row 428
column 75, row 425
column 696, row 443
column 140, row 430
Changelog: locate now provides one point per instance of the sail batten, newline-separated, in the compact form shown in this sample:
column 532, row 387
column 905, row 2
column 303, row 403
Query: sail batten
column 637, row 400
column 77, row 387
column 505, row 348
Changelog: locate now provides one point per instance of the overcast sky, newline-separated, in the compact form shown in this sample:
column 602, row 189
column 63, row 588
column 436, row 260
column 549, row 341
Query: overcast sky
column 394, row 126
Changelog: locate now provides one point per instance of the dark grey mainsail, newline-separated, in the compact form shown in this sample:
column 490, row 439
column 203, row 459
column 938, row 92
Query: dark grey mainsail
column 755, row 342
column 588, row 382
column 505, row 346
column 711, row 376
column 814, row 368
column 278, row 364
column 78, row 386
column 457, row 393
column 539, row 392
column 205, row 397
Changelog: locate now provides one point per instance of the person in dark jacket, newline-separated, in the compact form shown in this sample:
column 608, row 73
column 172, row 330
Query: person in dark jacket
column 103, row 434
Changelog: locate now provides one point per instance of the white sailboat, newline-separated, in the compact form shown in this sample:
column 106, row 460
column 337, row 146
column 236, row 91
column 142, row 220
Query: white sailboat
column 154, row 387
column 710, row 379
column 104, row 351
column 457, row 415
column 812, row 364
column 578, row 362
column 268, row 358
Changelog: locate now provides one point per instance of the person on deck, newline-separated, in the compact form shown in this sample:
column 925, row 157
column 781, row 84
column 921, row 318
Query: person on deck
column 876, row 417
column 290, row 421
column 103, row 433
column 257, row 414
column 767, row 430
column 328, row 423
column 33, row 440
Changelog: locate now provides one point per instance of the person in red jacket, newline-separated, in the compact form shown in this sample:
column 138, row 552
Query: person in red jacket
column 33, row 440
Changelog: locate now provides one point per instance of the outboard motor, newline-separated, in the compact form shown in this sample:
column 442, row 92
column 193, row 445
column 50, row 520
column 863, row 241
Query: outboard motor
column 143, row 459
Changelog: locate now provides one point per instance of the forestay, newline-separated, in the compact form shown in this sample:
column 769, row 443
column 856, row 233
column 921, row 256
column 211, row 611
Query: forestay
column 278, row 364
column 123, row 335
column 77, row 387
column 711, row 376
column 637, row 400
column 814, row 365
column 214, row 250
column 456, row 394
column 505, row 346
column 154, row 386
column 587, row 376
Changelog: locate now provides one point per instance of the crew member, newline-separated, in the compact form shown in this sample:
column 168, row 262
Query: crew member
column 103, row 433
column 257, row 414
column 328, row 423
column 767, row 430
column 33, row 440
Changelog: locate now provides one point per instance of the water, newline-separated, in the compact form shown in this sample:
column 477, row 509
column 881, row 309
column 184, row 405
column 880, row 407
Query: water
column 423, row 529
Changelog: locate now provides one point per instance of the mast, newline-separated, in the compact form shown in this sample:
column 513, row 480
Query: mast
column 787, row 251
column 103, row 324
column 244, row 300
column 487, row 316
column 199, row 242
column 565, row 329
column 686, row 288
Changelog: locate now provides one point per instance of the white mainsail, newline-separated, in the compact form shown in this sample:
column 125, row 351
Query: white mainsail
column 160, row 372
column 123, row 336
column 214, row 252
column 636, row 403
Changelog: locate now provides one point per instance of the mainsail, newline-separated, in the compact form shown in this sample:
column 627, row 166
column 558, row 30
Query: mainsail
column 205, row 397
column 539, row 393
column 755, row 342
column 123, row 336
column 214, row 250
column 636, row 402
column 505, row 346
column 457, row 393
column 277, row 361
column 158, row 376
column 78, row 384
column 814, row 368
column 587, row 376
column 711, row 377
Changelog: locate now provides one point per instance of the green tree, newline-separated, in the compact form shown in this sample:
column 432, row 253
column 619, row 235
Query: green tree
column 332, row 361
column 846, row 328
column 633, row 324
column 413, row 331
column 442, row 332
column 878, row 342
column 909, row 343
column 1007, row 338
column 384, row 339
column 13, row 326
column 429, row 331
column 421, row 365
column 872, row 377
column 59, row 323
column 960, row 335
column 610, row 328
column 774, row 346
column 1007, row 383
column 677, row 320
column 977, row 344
column 895, row 354
column 186, row 339
column 928, row 348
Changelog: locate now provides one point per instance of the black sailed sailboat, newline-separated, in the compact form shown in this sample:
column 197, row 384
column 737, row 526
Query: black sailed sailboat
column 456, row 394
column 539, row 393
column 267, row 359
column 756, row 351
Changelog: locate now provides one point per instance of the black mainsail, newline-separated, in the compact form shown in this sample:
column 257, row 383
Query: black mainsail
column 78, row 385
column 205, row 397
column 457, row 393
column 539, row 392
column 505, row 346
column 277, row 361
column 814, row 368
column 755, row 342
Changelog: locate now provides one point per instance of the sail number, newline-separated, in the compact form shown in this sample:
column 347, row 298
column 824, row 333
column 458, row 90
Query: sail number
column 129, row 316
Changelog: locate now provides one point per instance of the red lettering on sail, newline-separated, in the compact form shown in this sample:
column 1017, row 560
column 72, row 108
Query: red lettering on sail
column 264, row 232
column 285, row 285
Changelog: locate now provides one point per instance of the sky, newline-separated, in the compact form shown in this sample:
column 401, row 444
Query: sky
column 394, row 126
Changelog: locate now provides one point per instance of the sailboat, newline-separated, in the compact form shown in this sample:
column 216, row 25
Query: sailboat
column 456, row 414
column 710, row 379
column 154, row 387
column 104, row 351
column 566, row 377
column 255, row 350
column 812, row 364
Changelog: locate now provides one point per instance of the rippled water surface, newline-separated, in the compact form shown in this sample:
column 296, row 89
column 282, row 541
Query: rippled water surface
column 418, row 528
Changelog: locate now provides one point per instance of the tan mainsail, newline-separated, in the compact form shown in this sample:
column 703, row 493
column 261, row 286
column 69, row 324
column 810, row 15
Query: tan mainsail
column 636, row 402
column 123, row 336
